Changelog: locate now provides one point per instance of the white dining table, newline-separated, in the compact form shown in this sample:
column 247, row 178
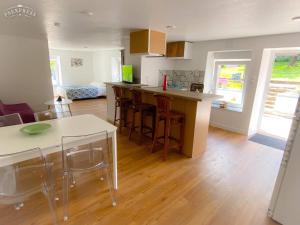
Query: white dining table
column 12, row 140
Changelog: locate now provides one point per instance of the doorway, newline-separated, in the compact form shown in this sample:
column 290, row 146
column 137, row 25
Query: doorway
column 280, row 99
column 55, row 73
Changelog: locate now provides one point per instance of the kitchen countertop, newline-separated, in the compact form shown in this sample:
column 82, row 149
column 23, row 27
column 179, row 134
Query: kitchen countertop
column 191, row 95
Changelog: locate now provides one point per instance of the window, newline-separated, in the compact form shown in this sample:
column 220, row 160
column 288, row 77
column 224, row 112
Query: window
column 55, row 70
column 230, row 83
column 116, row 69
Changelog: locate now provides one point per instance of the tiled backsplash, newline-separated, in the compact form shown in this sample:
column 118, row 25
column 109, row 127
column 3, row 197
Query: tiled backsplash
column 181, row 78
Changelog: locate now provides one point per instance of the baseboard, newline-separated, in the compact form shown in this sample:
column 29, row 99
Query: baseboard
column 229, row 128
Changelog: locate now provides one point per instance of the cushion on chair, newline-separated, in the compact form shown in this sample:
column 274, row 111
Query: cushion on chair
column 1, row 108
column 23, row 109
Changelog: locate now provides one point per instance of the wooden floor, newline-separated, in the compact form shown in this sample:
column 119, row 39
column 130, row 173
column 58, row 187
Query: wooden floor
column 230, row 184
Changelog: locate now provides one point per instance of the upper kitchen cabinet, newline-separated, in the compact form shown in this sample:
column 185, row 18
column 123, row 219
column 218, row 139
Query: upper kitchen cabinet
column 148, row 42
column 179, row 50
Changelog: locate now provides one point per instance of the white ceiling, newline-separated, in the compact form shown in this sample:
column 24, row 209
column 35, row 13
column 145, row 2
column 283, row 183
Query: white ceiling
column 113, row 19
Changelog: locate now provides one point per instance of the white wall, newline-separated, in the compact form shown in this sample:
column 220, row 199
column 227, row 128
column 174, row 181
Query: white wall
column 235, row 121
column 102, row 64
column 134, row 60
column 81, row 75
column 97, row 66
column 25, row 72
column 150, row 67
column 261, row 90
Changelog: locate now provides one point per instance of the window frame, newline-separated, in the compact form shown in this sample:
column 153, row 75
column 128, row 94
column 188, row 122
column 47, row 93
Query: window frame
column 217, row 63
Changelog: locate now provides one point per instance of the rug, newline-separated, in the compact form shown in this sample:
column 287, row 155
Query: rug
column 269, row 141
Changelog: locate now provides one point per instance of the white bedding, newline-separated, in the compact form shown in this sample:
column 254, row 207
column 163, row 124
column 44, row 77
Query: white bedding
column 101, row 89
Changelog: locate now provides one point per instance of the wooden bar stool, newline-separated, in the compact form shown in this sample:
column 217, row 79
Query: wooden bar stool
column 145, row 110
column 123, row 104
column 171, row 118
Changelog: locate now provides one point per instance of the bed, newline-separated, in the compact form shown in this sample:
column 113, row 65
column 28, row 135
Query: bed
column 93, row 90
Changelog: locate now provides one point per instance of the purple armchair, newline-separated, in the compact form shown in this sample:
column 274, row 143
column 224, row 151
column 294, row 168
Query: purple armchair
column 23, row 109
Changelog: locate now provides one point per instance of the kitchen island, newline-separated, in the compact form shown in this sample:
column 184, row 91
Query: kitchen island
column 196, row 107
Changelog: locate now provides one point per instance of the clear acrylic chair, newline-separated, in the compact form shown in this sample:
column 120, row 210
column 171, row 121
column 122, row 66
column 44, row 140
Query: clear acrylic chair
column 25, row 174
column 85, row 153
column 45, row 115
column 10, row 120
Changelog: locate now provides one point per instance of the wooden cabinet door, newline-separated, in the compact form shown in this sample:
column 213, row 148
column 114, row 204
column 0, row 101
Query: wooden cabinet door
column 148, row 42
column 175, row 49
column 171, row 49
column 157, row 43
column 180, row 49
column 139, row 41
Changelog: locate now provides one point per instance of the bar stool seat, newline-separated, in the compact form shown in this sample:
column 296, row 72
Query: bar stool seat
column 145, row 110
column 123, row 103
column 171, row 119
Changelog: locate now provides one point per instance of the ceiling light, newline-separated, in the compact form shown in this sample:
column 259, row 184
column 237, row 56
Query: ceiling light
column 170, row 27
column 296, row 18
column 19, row 10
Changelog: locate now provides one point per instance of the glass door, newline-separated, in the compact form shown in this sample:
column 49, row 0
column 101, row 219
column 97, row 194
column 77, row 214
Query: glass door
column 281, row 96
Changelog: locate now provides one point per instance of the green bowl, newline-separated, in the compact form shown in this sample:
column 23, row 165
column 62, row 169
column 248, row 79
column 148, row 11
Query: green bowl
column 35, row 128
